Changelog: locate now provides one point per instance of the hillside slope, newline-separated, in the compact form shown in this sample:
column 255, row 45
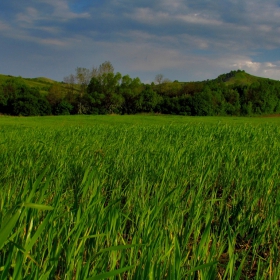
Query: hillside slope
column 239, row 77
column 43, row 84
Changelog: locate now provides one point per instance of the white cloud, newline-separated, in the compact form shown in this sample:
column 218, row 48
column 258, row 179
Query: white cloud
column 262, row 69
column 174, row 6
column 28, row 16
column 198, row 19
column 62, row 11
column 49, row 29
column 31, row 16
column 53, row 42
column 148, row 16
column 254, row 66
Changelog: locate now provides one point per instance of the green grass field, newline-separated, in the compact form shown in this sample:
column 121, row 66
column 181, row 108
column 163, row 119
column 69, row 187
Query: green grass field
column 139, row 197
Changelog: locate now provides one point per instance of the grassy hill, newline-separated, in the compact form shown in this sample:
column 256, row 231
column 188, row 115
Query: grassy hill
column 234, row 93
column 235, row 77
column 239, row 77
column 43, row 84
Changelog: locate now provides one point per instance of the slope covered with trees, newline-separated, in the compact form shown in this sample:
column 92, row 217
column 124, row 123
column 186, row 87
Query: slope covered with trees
column 103, row 91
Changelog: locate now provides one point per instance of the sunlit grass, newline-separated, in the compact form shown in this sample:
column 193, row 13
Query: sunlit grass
column 139, row 198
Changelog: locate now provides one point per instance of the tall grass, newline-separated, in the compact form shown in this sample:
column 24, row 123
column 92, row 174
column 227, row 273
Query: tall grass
column 176, row 201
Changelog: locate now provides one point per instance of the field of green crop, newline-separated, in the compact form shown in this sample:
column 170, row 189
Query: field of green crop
column 139, row 197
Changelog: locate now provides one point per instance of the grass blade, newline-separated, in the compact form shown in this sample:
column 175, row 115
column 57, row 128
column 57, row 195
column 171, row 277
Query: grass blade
column 107, row 275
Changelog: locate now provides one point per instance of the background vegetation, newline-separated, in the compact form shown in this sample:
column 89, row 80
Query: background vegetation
column 137, row 197
column 102, row 91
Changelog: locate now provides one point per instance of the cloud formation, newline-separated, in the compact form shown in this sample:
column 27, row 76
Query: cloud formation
column 184, row 40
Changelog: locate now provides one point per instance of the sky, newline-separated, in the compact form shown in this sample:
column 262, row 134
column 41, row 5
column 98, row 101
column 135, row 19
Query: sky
column 184, row 40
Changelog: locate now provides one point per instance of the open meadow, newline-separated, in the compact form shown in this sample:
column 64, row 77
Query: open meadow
column 139, row 197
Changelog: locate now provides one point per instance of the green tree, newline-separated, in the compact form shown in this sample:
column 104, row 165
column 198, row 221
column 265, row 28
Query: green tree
column 171, row 89
column 104, row 89
column 232, row 101
column 148, row 100
column 26, row 105
column 44, row 107
column 55, row 95
column 202, row 103
column 130, row 90
column 3, row 101
column 63, row 108
column 247, row 108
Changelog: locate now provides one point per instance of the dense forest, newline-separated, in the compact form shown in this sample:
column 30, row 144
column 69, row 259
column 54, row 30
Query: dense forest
column 102, row 91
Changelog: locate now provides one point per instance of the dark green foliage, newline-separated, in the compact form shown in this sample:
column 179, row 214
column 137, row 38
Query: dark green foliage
column 30, row 105
column 175, row 106
column 130, row 89
column 94, row 86
column 168, row 106
column 18, row 99
column 25, row 106
column 63, row 108
column 14, row 88
column 3, row 100
column 236, row 94
column 44, row 107
column 148, row 100
column 226, row 77
column 192, row 88
column 104, row 91
column 232, row 102
column 202, row 104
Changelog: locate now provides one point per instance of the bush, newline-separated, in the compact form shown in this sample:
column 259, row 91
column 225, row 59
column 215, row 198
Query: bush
column 44, row 107
column 63, row 108
column 25, row 106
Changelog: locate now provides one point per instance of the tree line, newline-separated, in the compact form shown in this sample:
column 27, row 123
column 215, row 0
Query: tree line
column 102, row 91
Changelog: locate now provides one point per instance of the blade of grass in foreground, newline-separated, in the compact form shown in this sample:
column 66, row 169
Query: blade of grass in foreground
column 7, row 228
column 37, row 233
column 38, row 206
column 111, row 273
column 201, row 267
column 120, row 247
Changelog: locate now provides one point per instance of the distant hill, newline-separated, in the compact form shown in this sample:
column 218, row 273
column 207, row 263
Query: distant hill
column 239, row 77
column 43, row 84
column 236, row 93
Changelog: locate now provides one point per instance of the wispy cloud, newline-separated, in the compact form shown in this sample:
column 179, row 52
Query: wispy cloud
column 61, row 10
column 53, row 42
column 28, row 16
column 4, row 26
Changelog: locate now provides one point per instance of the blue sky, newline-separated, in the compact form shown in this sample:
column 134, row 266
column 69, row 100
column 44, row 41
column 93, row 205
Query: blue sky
column 188, row 40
